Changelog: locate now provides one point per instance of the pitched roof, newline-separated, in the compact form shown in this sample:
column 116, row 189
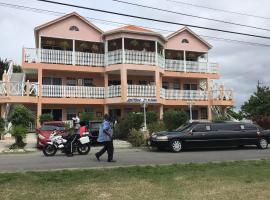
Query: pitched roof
column 65, row 17
column 191, row 32
column 134, row 29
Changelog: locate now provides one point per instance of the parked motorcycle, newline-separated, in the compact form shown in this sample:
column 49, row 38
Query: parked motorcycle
column 58, row 142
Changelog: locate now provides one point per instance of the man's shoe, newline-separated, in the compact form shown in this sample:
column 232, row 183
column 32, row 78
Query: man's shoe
column 97, row 157
column 111, row 160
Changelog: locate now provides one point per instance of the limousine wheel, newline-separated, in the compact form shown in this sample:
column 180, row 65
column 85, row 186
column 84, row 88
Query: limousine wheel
column 263, row 144
column 176, row 146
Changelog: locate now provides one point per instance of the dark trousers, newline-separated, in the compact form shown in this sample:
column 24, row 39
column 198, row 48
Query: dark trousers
column 107, row 146
column 70, row 143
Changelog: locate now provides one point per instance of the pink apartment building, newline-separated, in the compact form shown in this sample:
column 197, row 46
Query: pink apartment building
column 76, row 67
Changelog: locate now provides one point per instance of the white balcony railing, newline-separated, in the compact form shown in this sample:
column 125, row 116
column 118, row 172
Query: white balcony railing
column 115, row 57
column 32, row 55
column 191, row 66
column 62, row 91
column 184, row 94
column 141, row 90
column 222, row 95
column 114, row 91
column 18, row 88
column 140, row 57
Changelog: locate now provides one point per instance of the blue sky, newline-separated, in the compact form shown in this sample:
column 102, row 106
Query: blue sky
column 241, row 65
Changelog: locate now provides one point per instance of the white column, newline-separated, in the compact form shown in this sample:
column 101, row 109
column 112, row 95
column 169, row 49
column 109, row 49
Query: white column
column 123, row 51
column 156, row 52
column 185, row 63
column 106, row 53
column 73, row 53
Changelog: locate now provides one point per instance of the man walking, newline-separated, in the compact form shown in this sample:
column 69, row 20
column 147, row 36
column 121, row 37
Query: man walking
column 105, row 137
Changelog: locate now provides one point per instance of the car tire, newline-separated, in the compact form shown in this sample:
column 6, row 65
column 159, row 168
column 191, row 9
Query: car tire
column 176, row 146
column 262, row 143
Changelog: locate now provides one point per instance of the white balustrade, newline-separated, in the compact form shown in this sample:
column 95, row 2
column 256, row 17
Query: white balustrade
column 161, row 61
column 141, row 90
column 140, row 57
column 114, row 57
column 18, row 88
column 222, row 94
column 52, row 56
column 62, row 91
column 185, row 94
column 114, row 91
column 191, row 66
column 89, row 59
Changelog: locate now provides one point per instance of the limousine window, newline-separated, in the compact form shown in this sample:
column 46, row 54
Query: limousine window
column 184, row 127
column 226, row 127
column 201, row 128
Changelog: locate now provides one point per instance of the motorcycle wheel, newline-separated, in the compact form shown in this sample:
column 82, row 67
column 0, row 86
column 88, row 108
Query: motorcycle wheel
column 83, row 149
column 49, row 150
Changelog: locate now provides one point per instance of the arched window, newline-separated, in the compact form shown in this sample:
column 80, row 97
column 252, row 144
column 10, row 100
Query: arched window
column 73, row 28
column 185, row 41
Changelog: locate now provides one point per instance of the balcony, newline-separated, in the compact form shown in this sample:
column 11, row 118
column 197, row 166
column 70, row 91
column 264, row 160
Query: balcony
column 171, row 94
column 141, row 91
column 18, row 89
column 32, row 55
column 191, row 66
column 65, row 91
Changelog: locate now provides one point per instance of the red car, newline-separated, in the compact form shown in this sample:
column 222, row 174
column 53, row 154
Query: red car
column 44, row 132
column 47, row 128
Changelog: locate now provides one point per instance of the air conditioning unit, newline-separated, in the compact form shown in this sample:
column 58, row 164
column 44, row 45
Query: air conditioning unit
column 80, row 82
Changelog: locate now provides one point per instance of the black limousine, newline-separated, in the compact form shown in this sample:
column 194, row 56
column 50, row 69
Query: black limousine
column 211, row 134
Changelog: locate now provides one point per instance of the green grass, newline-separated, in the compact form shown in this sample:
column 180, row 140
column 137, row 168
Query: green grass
column 231, row 180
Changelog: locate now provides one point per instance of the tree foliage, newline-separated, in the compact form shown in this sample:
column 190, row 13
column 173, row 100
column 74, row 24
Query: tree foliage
column 174, row 118
column 86, row 117
column 151, row 117
column 46, row 117
column 258, row 104
column 257, row 108
column 4, row 64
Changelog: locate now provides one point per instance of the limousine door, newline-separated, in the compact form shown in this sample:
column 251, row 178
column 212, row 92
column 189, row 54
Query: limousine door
column 198, row 137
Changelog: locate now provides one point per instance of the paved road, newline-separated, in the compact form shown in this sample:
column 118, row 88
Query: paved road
column 125, row 157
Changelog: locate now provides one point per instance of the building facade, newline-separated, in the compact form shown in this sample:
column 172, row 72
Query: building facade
column 76, row 67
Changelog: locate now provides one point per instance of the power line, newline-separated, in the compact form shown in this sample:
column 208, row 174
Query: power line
column 155, row 20
column 189, row 15
column 106, row 22
column 218, row 9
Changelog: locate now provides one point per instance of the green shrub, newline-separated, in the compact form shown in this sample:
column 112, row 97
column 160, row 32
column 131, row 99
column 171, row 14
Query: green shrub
column 86, row 117
column 20, row 115
column 136, row 138
column 19, row 132
column 20, row 118
column 151, row 117
column 174, row 118
column 135, row 120
column 47, row 117
column 156, row 127
column 121, row 130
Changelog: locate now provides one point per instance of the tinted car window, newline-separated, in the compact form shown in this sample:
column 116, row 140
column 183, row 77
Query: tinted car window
column 95, row 125
column 51, row 128
column 199, row 128
column 226, row 127
column 250, row 127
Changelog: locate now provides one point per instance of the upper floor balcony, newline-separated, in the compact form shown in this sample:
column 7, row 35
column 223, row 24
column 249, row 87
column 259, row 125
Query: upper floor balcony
column 117, row 51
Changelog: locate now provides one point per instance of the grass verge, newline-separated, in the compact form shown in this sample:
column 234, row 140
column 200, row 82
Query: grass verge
column 230, row 180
